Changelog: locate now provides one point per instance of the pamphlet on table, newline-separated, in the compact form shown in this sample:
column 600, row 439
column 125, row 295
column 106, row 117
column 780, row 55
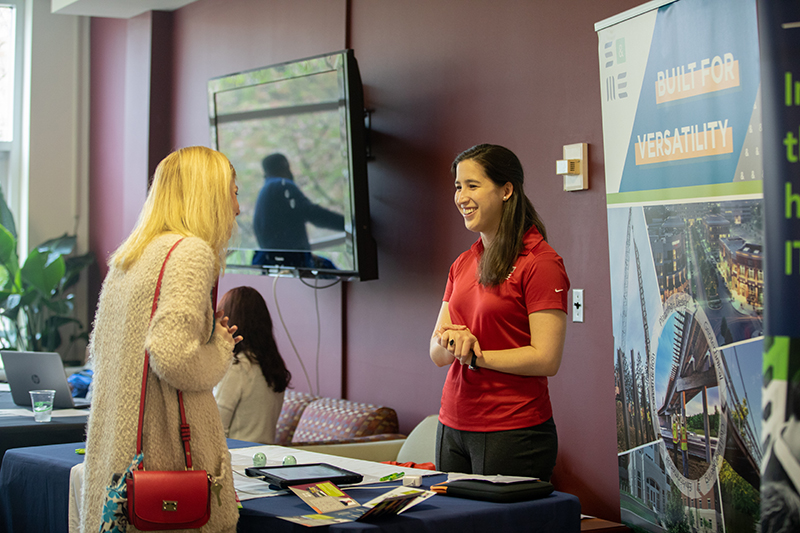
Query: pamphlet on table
column 334, row 506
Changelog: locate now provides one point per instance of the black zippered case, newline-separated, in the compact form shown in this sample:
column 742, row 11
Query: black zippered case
column 475, row 489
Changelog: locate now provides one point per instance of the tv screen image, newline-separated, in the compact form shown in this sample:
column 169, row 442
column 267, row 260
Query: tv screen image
column 295, row 134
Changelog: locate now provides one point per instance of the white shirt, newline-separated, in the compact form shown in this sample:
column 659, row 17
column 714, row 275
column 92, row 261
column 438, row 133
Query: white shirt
column 249, row 408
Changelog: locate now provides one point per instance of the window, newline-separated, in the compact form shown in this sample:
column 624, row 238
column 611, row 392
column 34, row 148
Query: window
column 11, row 53
column 7, row 75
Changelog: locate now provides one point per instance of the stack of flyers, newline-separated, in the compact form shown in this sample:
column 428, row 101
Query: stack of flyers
column 335, row 506
column 396, row 501
column 324, row 496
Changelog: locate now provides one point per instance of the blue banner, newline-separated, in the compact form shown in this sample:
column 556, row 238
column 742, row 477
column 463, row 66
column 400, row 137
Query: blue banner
column 779, row 31
column 682, row 125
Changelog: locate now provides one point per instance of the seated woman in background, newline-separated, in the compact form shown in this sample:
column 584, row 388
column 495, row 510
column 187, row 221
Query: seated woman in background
column 250, row 396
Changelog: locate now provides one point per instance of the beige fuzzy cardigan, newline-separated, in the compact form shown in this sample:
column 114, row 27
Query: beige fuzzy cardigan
column 184, row 354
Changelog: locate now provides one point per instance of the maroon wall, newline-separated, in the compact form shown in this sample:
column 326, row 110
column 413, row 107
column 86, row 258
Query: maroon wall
column 106, row 135
column 440, row 76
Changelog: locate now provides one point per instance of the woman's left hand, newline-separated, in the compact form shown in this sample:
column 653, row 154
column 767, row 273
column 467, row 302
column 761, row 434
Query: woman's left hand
column 222, row 320
column 459, row 341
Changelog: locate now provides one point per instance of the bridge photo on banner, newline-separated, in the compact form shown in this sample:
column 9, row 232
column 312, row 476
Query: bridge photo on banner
column 682, row 135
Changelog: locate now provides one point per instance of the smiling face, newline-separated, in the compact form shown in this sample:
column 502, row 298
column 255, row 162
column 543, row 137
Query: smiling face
column 479, row 199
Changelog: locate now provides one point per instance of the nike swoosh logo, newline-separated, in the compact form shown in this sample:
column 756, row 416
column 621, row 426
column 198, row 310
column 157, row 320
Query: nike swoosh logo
column 559, row 290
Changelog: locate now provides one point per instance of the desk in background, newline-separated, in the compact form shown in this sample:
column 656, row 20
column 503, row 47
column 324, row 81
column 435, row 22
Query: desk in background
column 34, row 496
column 598, row 525
column 21, row 431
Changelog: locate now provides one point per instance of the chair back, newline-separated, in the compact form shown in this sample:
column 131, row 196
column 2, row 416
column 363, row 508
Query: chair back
column 420, row 446
column 294, row 403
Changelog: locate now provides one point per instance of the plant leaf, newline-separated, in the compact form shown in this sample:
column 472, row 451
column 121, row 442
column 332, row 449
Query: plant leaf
column 8, row 251
column 44, row 271
column 63, row 245
column 30, row 298
column 4, row 277
column 51, row 336
column 59, row 307
column 9, row 302
column 75, row 265
column 58, row 321
column 6, row 218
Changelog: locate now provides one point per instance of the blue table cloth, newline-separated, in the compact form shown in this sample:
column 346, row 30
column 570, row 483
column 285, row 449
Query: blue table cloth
column 34, row 497
column 22, row 431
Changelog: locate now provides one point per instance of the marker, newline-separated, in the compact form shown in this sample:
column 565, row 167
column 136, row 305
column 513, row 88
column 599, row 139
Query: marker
column 392, row 477
column 473, row 364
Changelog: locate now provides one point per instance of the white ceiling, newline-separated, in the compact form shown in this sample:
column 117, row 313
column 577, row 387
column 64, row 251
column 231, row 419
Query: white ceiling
column 114, row 8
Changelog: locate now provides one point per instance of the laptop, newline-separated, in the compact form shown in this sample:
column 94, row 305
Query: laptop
column 27, row 371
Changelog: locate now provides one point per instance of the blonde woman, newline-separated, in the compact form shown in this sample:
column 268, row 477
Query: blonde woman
column 193, row 196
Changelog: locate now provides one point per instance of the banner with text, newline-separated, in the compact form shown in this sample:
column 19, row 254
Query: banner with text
column 683, row 159
column 779, row 31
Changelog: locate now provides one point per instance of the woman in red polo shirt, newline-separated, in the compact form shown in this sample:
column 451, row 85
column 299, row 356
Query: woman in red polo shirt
column 501, row 327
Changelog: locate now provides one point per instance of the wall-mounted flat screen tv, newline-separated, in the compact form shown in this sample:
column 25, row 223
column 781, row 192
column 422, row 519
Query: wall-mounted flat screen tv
column 295, row 133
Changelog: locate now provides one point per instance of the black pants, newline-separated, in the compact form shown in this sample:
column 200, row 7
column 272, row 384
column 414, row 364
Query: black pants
column 527, row 452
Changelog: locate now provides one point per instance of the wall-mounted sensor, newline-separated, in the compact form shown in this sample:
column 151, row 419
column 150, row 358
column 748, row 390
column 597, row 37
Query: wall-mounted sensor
column 568, row 166
column 574, row 167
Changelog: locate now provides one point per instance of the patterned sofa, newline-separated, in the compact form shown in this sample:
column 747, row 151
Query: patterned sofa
column 307, row 420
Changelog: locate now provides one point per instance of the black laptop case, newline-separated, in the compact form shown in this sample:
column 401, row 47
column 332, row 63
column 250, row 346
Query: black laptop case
column 496, row 492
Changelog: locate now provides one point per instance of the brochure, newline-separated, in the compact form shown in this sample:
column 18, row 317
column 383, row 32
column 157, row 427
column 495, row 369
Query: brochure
column 324, row 496
column 334, row 506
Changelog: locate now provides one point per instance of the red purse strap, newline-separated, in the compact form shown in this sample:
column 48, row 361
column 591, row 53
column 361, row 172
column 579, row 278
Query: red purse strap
column 184, row 429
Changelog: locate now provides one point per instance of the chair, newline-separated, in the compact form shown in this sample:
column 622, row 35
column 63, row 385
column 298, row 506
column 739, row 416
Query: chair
column 336, row 420
column 420, row 445
column 294, row 403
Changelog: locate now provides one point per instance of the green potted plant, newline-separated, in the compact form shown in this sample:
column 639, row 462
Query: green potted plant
column 36, row 298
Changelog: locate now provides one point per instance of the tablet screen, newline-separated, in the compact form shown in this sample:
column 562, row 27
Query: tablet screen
column 297, row 472
column 283, row 476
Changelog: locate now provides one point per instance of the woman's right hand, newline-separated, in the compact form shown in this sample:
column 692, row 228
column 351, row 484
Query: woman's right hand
column 452, row 341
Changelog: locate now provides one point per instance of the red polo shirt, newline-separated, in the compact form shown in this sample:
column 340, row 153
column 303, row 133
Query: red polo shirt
column 498, row 316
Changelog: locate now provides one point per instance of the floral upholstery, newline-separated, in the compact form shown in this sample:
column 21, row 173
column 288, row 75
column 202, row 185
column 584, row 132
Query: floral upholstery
column 333, row 420
column 294, row 403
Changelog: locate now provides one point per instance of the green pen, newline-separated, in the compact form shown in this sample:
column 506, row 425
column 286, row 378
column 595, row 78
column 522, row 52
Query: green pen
column 392, row 477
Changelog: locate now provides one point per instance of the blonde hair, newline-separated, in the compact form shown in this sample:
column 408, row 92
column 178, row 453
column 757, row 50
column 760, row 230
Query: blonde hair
column 190, row 196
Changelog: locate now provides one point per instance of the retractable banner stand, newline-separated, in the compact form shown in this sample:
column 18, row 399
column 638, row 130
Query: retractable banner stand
column 779, row 30
column 682, row 135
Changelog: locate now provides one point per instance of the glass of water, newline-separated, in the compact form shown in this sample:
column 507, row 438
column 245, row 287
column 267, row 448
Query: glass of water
column 42, row 403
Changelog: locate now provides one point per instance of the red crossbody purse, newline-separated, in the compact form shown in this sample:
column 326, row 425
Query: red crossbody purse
column 171, row 499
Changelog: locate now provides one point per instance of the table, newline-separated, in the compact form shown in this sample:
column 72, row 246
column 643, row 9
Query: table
column 34, row 486
column 22, row 431
column 603, row 526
